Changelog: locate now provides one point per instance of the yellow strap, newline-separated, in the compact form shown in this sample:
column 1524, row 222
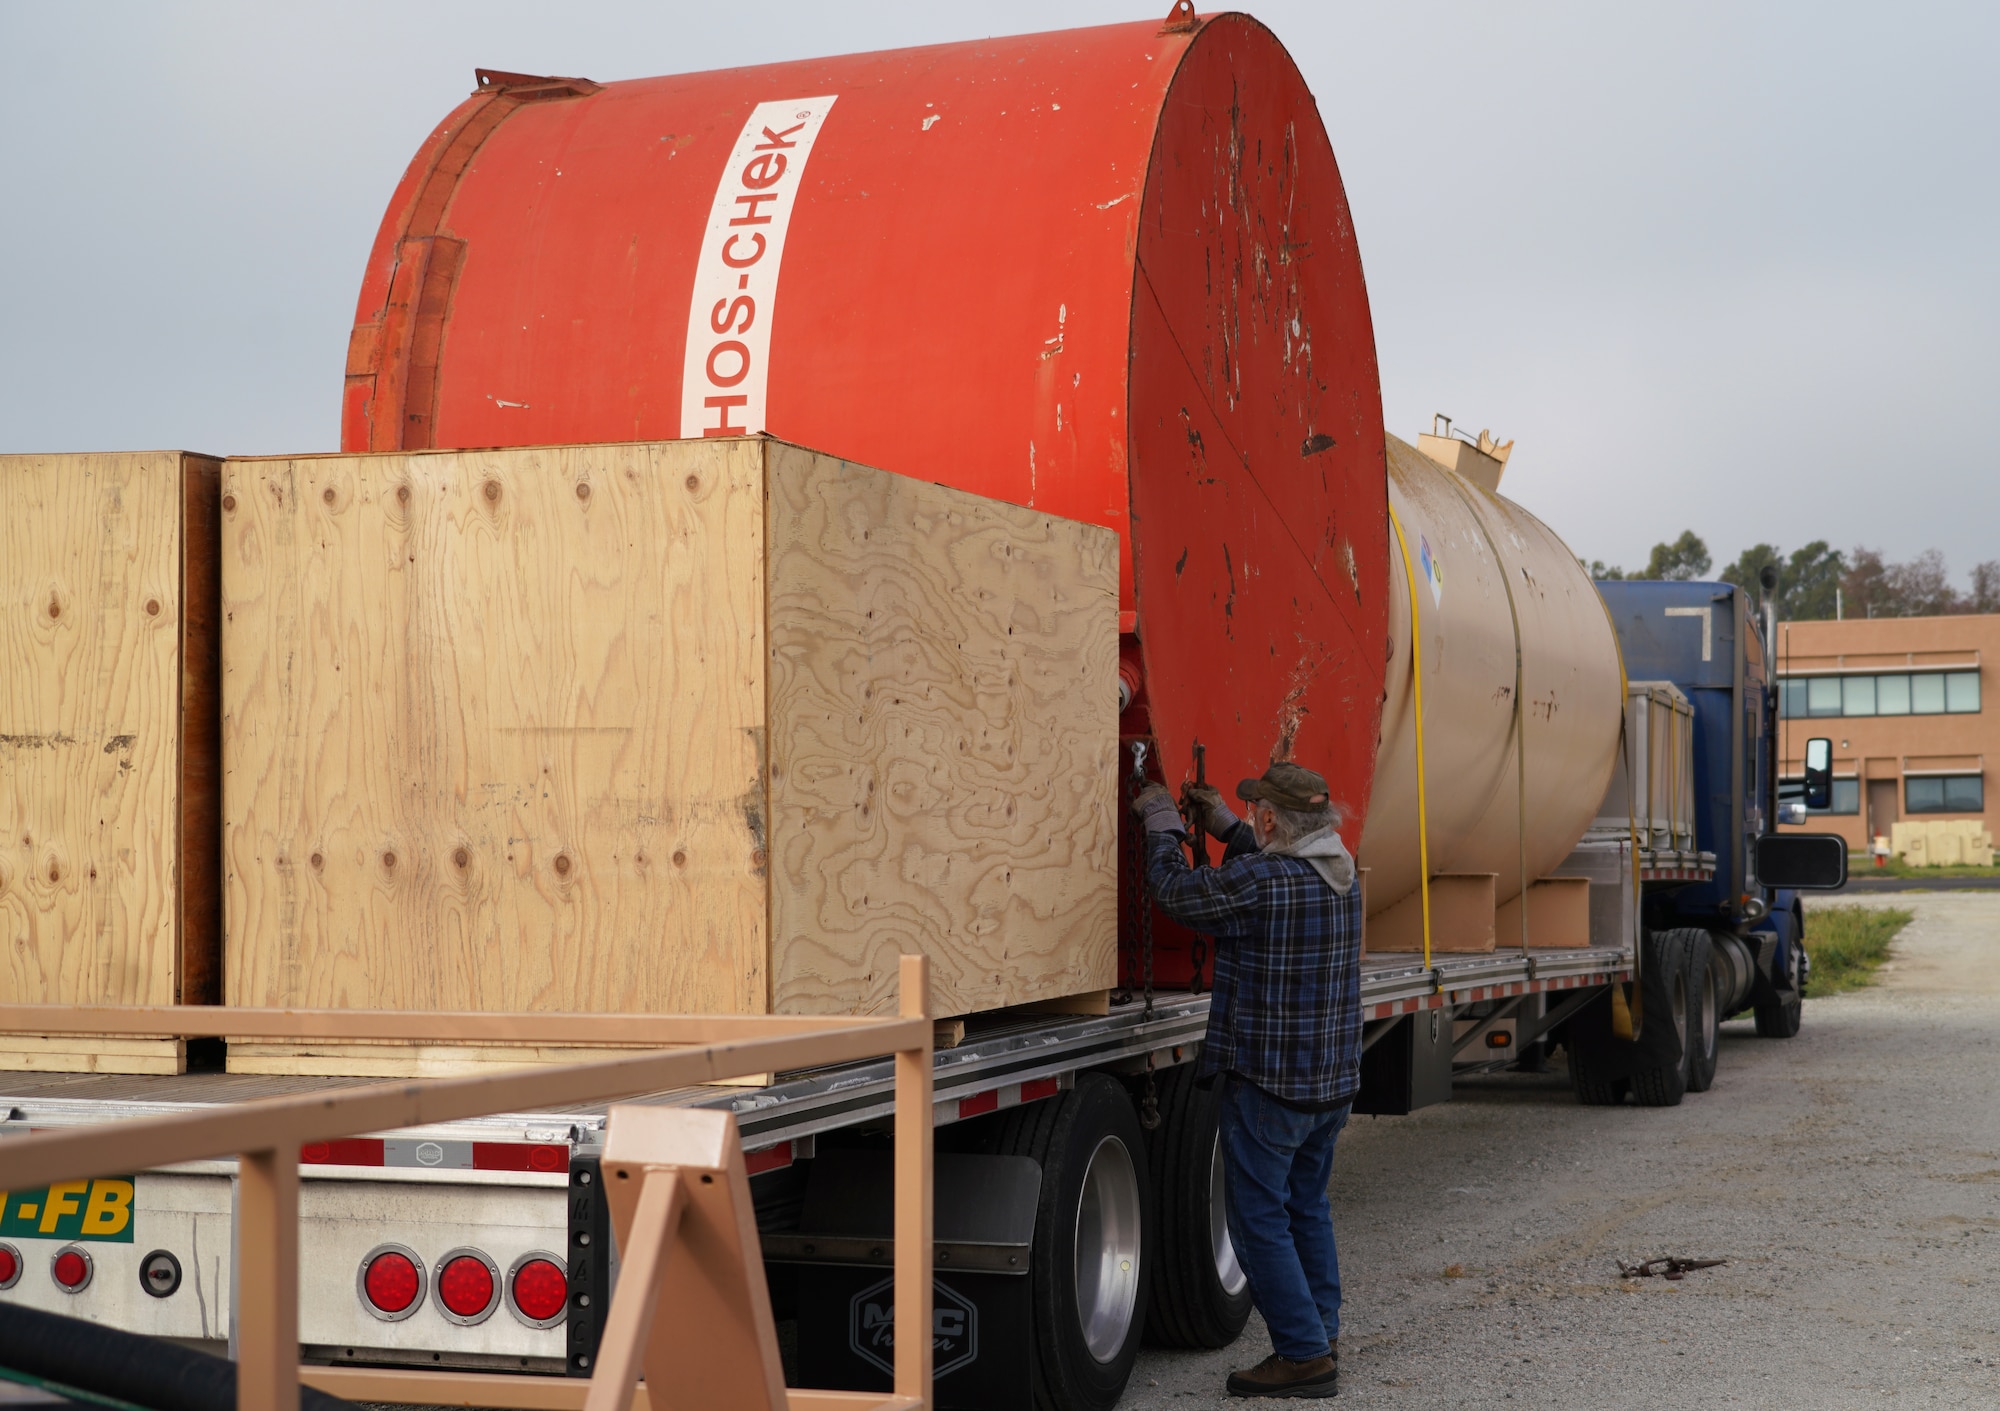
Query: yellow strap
column 1417, row 686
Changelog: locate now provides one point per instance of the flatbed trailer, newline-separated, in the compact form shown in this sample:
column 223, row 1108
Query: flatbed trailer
column 518, row 1190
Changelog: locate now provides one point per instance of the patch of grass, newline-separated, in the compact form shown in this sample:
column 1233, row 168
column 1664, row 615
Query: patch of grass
column 1861, row 864
column 1847, row 943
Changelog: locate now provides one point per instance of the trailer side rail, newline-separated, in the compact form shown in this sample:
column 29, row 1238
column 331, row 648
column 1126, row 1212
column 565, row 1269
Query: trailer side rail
column 266, row 1135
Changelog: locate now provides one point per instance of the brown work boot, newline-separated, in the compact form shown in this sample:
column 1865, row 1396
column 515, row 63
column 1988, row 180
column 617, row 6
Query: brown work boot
column 1280, row 1376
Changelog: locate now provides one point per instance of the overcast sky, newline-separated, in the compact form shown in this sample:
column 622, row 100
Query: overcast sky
column 1733, row 267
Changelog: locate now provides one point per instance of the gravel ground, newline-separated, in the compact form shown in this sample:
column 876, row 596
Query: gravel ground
column 1850, row 1176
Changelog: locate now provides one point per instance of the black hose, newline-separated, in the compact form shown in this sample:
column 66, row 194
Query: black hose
column 94, row 1359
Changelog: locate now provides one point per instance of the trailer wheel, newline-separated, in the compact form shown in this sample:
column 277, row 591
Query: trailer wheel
column 1093, row 1228
column 1665, row 990
column 1596, row 1080
column 1704, row 1012
column 1199, row 1294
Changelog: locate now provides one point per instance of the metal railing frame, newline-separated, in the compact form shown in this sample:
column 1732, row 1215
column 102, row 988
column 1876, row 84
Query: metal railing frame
column 265, row 1136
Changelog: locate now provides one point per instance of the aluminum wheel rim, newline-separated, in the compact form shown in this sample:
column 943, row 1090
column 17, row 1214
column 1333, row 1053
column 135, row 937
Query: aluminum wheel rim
column 1107, row 1249
column 1228, row 1269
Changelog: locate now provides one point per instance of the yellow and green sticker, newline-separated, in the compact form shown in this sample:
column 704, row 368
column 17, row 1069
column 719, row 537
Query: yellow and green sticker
column 71, row 1210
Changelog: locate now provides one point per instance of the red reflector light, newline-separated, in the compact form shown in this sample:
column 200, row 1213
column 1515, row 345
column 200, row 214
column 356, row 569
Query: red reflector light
column 465, row 1286
column 392, row 1283
column 1038, row 1088
column 519, row 1156
column 540, row 1290
column 348, row 1151
column 10, row 1266
column 71, row 1269
column 978, row 1104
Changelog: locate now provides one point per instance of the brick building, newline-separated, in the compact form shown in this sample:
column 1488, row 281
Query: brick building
column 1905, row 703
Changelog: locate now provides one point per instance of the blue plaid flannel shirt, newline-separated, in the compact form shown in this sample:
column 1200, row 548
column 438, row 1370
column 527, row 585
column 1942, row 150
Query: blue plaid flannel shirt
column 1285, row 1008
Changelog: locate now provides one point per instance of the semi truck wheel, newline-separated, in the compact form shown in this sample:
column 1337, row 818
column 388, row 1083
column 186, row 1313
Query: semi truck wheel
column 1092, row 1232
column 1594, row 1076
column 1780, row 1018
column 1705, row 1012
column 1664, row 984
column 1199, row 1296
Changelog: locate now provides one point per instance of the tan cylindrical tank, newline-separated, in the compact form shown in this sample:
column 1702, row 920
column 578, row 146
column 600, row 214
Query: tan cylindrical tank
column 1570, row 675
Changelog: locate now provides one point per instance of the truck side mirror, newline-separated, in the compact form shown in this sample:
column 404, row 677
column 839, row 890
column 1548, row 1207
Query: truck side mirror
column 1815, row 862
column 1819, row 773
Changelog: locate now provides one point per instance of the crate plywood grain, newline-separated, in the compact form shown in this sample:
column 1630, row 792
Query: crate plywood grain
column 108, row 740
column 944, row 725
column 709, row 727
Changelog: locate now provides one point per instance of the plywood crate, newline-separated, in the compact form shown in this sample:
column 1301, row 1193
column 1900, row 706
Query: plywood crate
column 716, row 727
column 109, row 830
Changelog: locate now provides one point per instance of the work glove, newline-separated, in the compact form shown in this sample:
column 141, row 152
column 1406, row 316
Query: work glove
column 1156, row 810
column 1215, row 817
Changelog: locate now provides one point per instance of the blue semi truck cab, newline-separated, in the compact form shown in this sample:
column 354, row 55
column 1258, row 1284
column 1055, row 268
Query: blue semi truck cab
column 1727, row 936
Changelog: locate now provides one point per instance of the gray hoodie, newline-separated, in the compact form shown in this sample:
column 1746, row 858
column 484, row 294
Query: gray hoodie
column 1327, row 854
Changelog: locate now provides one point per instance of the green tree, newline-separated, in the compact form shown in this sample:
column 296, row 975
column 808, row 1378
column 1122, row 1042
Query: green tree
column 1684, row 559
column 1985, row 595
column 1809, row 581
column 1602, row 571
column 1750, row 563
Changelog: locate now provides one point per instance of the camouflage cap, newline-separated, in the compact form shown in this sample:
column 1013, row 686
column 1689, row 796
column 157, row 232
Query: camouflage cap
column 1287, row 785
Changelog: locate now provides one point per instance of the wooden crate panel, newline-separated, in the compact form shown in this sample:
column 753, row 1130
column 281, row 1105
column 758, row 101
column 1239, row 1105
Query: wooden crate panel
column 30, row 1053
column 108, row 824
column 494, row 730
column 680, row 727
column 943, row 742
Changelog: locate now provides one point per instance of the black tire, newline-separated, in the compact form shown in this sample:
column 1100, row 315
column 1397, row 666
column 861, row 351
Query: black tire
column 1704, row 1012
column 1198, row 1294
column 1594, row 1075
column 1064, row 1134
column 1662, row 1081
column 1781, row 1017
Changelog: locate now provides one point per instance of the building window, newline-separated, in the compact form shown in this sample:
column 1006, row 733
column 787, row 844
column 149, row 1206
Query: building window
column 1947, row 793
column 1846, row 794
column 1896, row 693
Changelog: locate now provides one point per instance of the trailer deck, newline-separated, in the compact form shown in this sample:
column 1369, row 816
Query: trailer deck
column 1001, row 1062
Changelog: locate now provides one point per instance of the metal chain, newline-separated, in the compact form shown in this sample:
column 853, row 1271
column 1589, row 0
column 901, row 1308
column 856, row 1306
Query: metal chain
column 1140, row 898
column 1149, row 1103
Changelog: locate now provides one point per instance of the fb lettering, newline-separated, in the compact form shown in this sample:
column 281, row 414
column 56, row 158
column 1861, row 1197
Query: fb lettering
column 70, row 1210
column 725, row 363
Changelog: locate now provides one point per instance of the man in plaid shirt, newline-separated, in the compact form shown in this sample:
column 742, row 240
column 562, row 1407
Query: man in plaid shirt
column 1284, row 1035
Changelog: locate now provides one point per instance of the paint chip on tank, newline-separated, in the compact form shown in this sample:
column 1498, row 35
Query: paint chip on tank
column 932, row 120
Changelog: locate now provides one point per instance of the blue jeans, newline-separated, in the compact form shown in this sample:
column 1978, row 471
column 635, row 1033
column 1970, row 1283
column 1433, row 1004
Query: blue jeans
column 1277, row 1162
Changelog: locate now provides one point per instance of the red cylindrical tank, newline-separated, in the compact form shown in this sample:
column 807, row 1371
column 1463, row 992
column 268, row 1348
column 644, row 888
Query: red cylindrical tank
column 1109, row 273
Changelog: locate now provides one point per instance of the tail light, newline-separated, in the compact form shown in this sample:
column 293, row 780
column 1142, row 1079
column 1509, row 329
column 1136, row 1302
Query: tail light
column 468, row 1286
column 391, row 1282
column 10, row 1266
column 538, row 1290
column 72, row 1269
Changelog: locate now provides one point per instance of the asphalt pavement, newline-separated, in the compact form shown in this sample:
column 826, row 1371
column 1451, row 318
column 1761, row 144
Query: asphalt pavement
column 1849, row 1176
